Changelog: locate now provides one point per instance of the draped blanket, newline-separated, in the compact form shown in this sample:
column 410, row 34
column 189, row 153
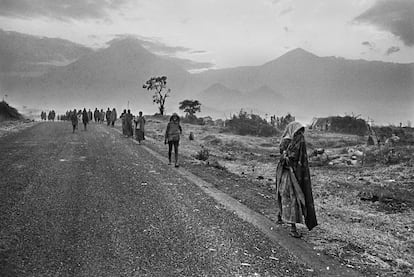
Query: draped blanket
column 293, row 184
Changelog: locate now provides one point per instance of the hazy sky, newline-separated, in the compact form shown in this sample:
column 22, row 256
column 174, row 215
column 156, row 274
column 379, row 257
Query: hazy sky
column 227, row 33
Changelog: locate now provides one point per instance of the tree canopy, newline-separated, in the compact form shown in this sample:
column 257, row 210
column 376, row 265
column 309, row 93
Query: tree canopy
column 190, row 107
column 159, row 86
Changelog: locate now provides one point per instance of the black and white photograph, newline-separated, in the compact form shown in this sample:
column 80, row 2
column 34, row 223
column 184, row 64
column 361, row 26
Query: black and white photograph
column 206, row 138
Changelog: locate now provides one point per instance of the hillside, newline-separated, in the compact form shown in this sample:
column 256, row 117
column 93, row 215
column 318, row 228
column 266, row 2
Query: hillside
column 109, row 77
column 298, row 82
column 27, row 55
column 313, row 85
column 8, row 113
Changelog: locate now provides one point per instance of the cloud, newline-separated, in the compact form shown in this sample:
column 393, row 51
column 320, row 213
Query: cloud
column 168, row 52
column 395, row 16
column 392, row 49
column 60, row 9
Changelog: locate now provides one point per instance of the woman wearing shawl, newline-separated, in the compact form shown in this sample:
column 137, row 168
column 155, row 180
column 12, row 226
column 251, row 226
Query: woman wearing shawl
column 172, row 136
column 293, row 184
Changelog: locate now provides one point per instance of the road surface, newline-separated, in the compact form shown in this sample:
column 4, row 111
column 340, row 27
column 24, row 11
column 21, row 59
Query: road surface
column 96, row 204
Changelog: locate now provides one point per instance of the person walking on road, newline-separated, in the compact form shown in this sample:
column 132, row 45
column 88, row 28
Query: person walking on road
column 113, row 117
column 102, row 116
column 96, row 115
column 172, row 137
column 140, row 128
column 123, row 121
column 128, row 124
column 108, row 117
column 74, row 120
column 293, row 183
column 85, row 118
column 90, row 115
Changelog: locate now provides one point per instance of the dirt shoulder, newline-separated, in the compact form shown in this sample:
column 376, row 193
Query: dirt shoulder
column 371, row 235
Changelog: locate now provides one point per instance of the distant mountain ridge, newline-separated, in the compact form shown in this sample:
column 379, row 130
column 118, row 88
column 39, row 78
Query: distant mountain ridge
column 298, row 82
column 31, row 55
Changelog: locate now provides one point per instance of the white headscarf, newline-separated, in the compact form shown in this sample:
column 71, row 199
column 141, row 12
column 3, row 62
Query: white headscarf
column 291, row 129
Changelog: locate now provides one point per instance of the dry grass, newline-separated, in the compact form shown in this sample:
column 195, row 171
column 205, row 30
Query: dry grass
column 376, row 236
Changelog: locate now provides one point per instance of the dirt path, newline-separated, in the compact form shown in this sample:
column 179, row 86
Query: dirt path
column 95, row 204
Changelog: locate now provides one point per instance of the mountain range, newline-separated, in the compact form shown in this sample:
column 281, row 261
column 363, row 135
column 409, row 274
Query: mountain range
column 298, row 82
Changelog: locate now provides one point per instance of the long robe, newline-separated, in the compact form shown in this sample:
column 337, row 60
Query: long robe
column 293, row 183
column 128, row 125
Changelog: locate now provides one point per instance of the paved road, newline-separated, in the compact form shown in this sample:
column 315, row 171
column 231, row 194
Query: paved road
column 96, row 204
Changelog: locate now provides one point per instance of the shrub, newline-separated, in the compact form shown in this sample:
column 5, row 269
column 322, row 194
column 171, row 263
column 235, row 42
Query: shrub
column 193, row 120
column 203, row 154
column 250, row 124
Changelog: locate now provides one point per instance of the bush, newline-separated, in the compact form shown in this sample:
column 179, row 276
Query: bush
column 250, row 124
column 193, row 120
column 203, row 154
column 348, row 125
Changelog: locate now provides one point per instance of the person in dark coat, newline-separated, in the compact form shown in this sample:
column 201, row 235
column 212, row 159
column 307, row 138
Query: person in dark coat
column 140, row 128
column 172, row 137
column 113, row 117
column 108, row 117
column 74, row 120
column 96, row 115
column 293, row 183
column 90, row 115
column 128, row 124
column 85, row 118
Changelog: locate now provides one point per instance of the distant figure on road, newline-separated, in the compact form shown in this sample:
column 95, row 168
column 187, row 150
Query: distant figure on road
column 172, row 136
column 108, row 116
column 140, row 128
column 293, row 184
column 122, row 117
column 96, row 115
column 90, row 115
column 101, row 116
column 74, row 120
column 113, row 117
column 128, row 124
column 85, row 118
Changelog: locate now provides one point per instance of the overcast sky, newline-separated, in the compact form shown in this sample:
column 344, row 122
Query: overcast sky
column 227, row 33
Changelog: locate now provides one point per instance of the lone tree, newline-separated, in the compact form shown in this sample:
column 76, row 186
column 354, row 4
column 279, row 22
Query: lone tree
column 159, row 86
column 190, row 107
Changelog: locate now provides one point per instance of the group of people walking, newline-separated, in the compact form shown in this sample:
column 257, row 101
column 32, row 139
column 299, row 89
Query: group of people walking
column 293, row 184
column 50, row 116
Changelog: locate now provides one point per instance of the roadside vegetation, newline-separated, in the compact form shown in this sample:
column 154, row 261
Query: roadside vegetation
column 364, row 202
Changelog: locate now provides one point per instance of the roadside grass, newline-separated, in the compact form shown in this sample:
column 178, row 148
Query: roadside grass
column 365, row 213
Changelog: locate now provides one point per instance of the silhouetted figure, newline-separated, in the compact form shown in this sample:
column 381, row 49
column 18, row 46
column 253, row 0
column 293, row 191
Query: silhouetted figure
column 123, row 121
column 128, row 124
column 108, row 117
column 102, row 116
column 85, row 118
column 90, row 115
column 113, row 117
column 74, row 120
column 96, row 115
column 140, row 128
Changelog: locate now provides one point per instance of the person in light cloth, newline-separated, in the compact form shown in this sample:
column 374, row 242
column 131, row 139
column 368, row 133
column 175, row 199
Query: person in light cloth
column 293, row 184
